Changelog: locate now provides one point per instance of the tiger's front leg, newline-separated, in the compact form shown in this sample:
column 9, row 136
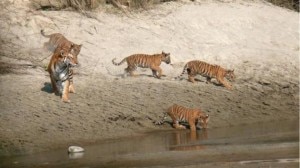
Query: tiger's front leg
column 65, row 93
column 71, row 88
column 157, row 69
column 154, row 73
column 226, row 84
column 192, row 125
column 53, row 84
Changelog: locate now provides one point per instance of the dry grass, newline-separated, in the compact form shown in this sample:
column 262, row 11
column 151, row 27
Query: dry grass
column 290, row 4
column 81, row 5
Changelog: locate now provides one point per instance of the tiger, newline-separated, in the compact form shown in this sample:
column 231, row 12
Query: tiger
column 145, row 61
column 57, row 40
column 60, row 74
column 209, row 71
column 192, row 116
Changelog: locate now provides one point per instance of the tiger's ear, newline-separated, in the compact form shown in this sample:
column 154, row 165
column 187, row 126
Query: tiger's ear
column 206, row 116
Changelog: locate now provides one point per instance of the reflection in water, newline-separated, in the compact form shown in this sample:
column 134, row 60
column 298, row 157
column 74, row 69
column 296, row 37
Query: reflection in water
column 168, row 148
column 189, row 140
column 75, row 155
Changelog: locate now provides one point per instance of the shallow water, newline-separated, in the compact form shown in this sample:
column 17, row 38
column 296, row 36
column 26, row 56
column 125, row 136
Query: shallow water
column 274, row 144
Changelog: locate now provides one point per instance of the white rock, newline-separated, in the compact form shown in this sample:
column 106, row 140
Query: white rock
column 75, row 149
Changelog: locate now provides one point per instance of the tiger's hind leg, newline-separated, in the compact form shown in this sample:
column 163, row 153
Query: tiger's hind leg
column 176, row 125
column 131, row 70
column 192, row 78
column 191, row 75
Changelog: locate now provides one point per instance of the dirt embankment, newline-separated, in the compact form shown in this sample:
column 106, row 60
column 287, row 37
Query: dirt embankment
column 258, row 40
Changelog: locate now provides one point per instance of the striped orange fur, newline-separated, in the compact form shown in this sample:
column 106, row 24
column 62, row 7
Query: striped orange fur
column 209, row 71
column 192, row 116
column 145, row 61
column 61, row 75
column 57, row 42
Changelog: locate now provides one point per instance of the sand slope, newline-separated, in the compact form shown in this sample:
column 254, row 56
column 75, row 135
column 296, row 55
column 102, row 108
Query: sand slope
column 258, row 40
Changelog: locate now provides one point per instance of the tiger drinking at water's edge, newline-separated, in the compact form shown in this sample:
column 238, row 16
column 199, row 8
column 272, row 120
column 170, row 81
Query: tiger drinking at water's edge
column 145, row 61
column 192, row 116
column 209, row 71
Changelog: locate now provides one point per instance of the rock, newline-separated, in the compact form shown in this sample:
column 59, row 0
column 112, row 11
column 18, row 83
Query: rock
column 75, row 149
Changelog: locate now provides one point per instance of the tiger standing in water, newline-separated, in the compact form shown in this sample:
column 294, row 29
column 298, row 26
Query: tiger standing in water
column 145, row 61
column 209, row 71
column 192, row 116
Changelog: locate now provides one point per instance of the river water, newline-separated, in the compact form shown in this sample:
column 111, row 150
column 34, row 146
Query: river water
column 273, row 144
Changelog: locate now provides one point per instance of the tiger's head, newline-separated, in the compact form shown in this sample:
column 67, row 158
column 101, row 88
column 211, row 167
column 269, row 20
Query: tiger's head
column 230, row 75
column 67, row 58
column 203, row 119
column 166, row 57
column 75, row 50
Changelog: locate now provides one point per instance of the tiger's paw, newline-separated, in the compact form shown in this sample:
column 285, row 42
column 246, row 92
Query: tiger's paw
column 65, row 100
column 71, row 90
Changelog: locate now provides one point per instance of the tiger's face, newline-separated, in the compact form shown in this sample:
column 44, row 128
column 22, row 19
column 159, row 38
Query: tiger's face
column 75, row 50
column 166, row 57
column 203, row 119
column 68, row 58
column 230, row 75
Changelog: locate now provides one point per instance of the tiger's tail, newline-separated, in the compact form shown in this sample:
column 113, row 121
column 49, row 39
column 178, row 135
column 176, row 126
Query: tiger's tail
column 184, row 69
column 162, row 120
column 117, row 64
column 43, row 34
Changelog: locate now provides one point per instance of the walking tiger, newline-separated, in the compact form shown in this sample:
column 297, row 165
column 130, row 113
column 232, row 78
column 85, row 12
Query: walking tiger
column 145, row 61
column 60, row 74
column 56, row 41
column 209, row 71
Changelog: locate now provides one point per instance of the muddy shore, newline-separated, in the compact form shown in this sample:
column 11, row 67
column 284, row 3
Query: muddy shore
column 105, row 105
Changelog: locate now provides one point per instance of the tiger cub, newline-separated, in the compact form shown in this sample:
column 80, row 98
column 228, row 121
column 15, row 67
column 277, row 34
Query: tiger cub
column 209, row 71
column 57, row 40
column 60, row 74
column 145, row 61
column 192, row 116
